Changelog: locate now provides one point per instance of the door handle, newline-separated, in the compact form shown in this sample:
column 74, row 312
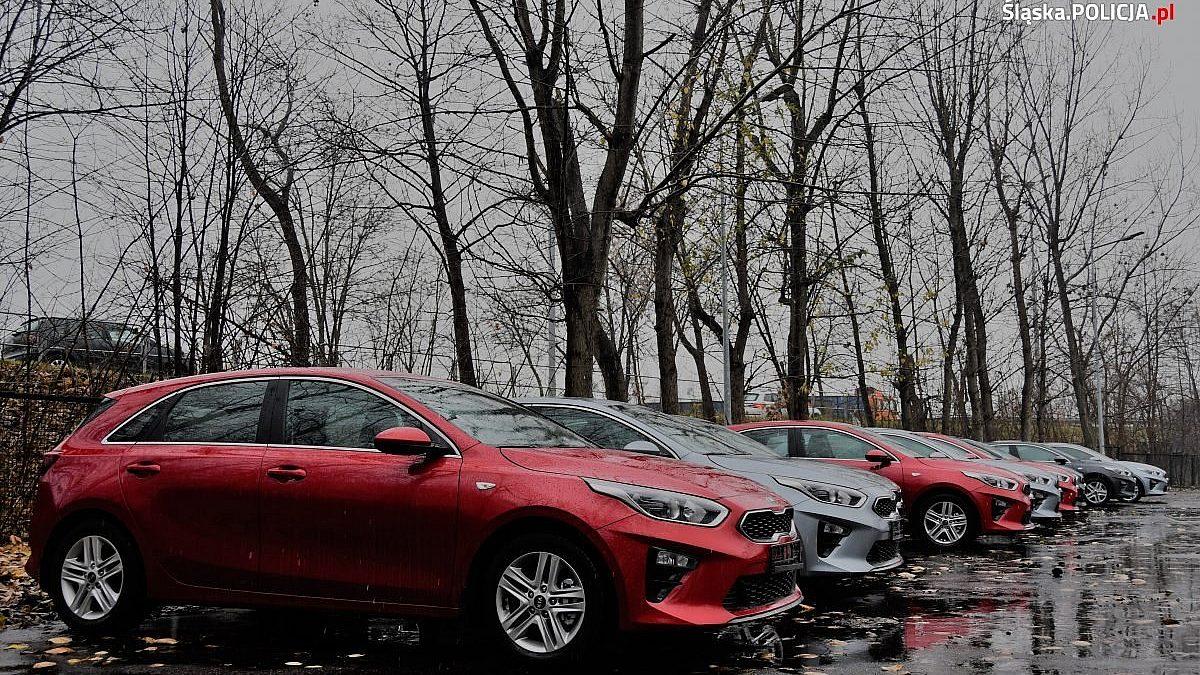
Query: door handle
column 143, row 469
column 287, row 474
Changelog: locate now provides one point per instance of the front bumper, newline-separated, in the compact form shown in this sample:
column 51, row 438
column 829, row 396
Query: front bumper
column 1014, row 517
column 1068, row 501
column 1126, row 487
column 871, row 543
column 731, row 569
column 1153, row 486
column 1044, row 505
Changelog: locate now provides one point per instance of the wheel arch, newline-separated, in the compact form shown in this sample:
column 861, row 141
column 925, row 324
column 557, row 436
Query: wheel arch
column 939, row 489
column 73, row 519
column 540, row 523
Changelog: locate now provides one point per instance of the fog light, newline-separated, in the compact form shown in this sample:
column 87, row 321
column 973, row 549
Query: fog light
column 665, row 558
column 665, row 570
column 829, row 536
column 999, row 506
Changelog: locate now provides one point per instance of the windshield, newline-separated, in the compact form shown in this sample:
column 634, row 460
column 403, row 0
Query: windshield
column 487, row 418
column 950, row 449
column 986, row 449
column 697, row 435
column 1077, row 452
column 920, row 447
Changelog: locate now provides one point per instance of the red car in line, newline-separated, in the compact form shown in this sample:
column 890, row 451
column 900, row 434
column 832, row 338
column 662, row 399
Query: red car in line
column 385, row 492
column 1067, row 484
column 948, row 502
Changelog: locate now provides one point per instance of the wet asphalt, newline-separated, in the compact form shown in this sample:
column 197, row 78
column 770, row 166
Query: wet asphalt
column 1118, row 591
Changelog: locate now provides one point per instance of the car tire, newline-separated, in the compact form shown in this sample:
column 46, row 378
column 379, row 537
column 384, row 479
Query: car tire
column 946, row 521
column 1097, row 490
column 562, row 608
column 1137, row 496
column 95, row 577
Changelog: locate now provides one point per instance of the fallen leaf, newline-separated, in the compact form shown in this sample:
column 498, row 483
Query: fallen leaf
column 44, row 664
column 60, row 640
column 59, row 650
column 18, row 646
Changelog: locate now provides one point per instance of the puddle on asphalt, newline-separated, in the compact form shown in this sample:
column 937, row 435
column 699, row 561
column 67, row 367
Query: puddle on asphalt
column 1114, row 593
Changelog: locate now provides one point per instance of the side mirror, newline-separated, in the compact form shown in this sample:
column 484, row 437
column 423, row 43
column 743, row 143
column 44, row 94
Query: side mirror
column 1060, row 460
column 642, row 446
column 878, row 457
column 403, row 441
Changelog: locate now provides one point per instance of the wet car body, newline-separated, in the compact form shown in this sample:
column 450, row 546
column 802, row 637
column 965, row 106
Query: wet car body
column 1068, row 480
column 838, row 538
column 1152, row 480
column 973, row 505
column 1044, row 493
column 418, row 519
column 1103, row 481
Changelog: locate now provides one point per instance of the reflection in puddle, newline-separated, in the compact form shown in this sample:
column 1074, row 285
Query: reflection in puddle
column 1118, row 592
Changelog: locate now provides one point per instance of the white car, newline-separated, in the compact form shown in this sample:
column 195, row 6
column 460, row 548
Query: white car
column 759, row 404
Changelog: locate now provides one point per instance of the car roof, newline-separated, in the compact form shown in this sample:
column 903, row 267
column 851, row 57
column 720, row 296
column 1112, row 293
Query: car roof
column 313, row 371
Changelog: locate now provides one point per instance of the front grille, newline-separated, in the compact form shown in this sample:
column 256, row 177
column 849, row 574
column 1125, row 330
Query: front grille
column 766, row 526
column 883, row 551
column 886, row 507
column 759, row 590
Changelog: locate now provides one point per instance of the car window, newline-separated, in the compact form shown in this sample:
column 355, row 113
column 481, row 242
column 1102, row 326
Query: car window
column 1077, row 452
column 775, row 438
column 925, row 447
column 599, row 429
column 828, row 444
column 1034, row 453
column 335, row 415
column 487, row 418
column 220, row 413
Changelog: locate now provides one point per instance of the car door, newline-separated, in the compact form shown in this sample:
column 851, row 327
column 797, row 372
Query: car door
column 343, row 520
column 190, row 481
column 848, row 450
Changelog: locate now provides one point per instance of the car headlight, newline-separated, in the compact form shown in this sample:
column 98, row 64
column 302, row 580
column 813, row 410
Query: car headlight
column 675, row 507
column 824, row 492
column 998, row 482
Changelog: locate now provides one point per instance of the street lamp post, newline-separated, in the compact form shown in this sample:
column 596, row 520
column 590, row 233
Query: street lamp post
column 1098, row 375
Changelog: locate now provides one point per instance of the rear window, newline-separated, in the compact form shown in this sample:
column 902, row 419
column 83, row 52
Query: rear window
column 97, row 411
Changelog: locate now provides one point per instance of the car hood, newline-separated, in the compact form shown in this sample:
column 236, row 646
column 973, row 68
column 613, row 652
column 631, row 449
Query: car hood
column 1021, row 468
column 968, row 465
column 1142, row 468
column 622, row 466
column 807, row 469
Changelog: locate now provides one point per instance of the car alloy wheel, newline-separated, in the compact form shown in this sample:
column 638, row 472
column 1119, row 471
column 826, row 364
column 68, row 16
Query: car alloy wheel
column 92, row 577
column 945, row 522
column 540, row 601
column 1095, row 491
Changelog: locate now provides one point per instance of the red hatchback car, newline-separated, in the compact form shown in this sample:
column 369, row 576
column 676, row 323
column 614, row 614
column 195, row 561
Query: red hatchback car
column 948, row 502
column 384, row 492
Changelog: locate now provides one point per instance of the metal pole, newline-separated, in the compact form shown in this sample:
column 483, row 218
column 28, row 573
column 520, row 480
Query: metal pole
column 728, row 384
column 551, row 351
column 1097, row 361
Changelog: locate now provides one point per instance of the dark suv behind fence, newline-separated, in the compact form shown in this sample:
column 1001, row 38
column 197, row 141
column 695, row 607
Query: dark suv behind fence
column 59, row 340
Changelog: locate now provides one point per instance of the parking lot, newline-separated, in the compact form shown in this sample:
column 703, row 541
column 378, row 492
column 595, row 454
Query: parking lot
column 1113, row 593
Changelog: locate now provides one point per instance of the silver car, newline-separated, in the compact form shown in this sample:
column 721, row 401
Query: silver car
column 1151, row 480
column 848, row 519
column 1043, row 484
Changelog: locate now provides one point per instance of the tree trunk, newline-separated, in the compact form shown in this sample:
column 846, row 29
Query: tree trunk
column 277, row 200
